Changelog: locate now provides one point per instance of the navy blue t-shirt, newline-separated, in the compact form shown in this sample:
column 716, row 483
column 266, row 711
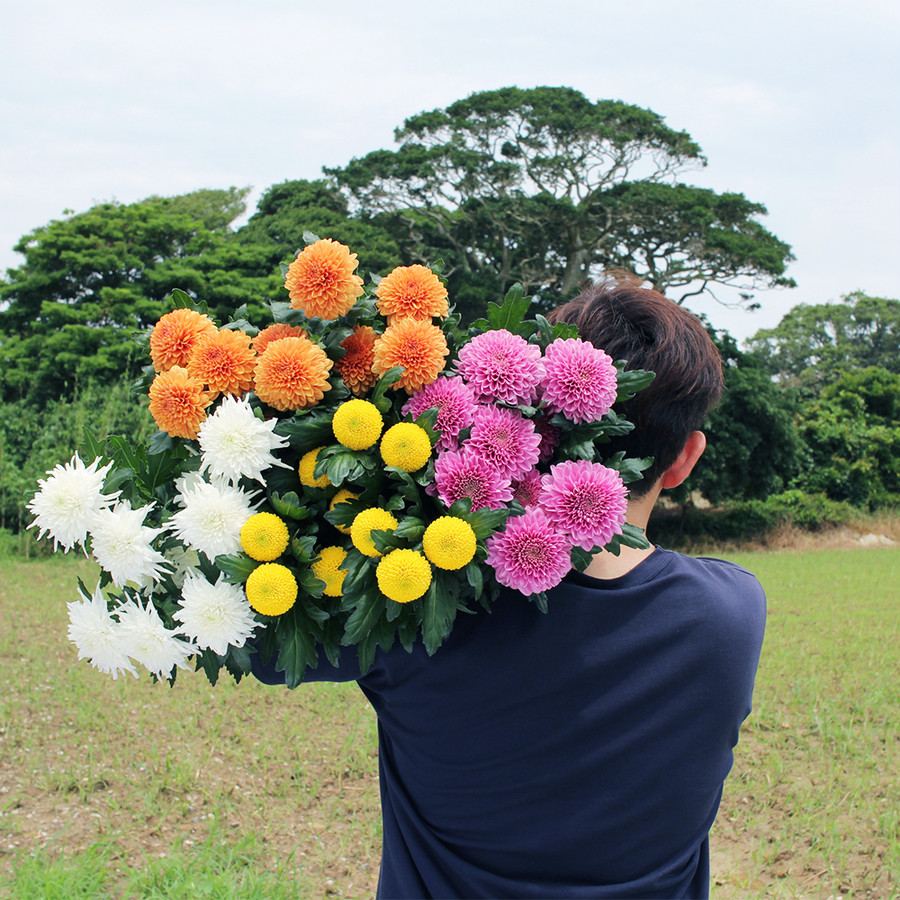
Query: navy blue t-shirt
column 577, row 754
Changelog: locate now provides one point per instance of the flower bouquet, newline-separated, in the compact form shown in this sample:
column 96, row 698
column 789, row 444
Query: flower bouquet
column 356, row 472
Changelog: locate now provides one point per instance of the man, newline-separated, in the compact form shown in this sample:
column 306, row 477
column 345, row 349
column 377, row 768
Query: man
column 581, row 753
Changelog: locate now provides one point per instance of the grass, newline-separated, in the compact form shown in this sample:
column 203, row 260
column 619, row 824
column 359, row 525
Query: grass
column 129, row 790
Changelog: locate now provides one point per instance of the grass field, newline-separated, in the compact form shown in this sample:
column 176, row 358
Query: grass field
column 124, row 789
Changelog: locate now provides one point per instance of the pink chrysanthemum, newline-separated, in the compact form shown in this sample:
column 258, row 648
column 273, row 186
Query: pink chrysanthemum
column 530, row 555
column 505, row 439
column 580, row 380
column 460, row 474
column 500, row 365
column 455, row 404
column 550, row 436
column 527, row 489
column 586, row 501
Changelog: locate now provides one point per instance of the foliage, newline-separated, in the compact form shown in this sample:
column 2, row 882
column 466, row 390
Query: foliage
column 544, row 187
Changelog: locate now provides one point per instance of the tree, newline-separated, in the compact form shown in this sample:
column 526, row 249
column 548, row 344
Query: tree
column 545, row 187
column 816, row 345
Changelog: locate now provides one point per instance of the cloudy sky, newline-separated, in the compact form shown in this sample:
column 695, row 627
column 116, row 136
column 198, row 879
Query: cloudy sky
column 794, row 102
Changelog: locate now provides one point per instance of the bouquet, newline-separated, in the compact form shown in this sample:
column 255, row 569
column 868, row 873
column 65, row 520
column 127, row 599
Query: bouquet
column 356, row 472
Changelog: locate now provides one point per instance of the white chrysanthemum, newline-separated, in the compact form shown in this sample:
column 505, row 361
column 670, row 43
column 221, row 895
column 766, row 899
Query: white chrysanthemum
column 236, row 444
column 215, row 615
column 68, row 499
column 122, row 544
column 146, row 639
column 97, row 635
column 185, row 483
column 212, row 518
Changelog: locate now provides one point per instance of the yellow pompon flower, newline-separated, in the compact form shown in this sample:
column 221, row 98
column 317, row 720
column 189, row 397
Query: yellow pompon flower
column 320, row 281
column 403, row 575
column 419, row 347
column 412, row 292
column 449, row 542
column 341, row 496
column 328, row 568
column 264, row 537
column 271, row 589
column 292, row 374
column 175, row 335
column 223, row 361
column 369, row 520
column 307, row 468
column 357, row 424
column 178, row 403
column 406, row 446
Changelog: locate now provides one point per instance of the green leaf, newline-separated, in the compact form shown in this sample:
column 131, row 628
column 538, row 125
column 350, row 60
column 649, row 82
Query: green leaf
column 410, row 529
column 438, row 613
column 486, row 521
column 343, row 466
column 475, row 578
column 160, row 443
column 290, row 506
column 628, row 383
column 581, row 559
column 236, row 567
column 540, row 601
column 309, row 237
column 297, row 649
column 308, row 430
column 91, row 446
column 363, row 619
column 511, row 312
column 304, row 548
column 378, row 394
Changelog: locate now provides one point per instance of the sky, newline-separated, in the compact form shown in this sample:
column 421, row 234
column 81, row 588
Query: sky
column 795, row 103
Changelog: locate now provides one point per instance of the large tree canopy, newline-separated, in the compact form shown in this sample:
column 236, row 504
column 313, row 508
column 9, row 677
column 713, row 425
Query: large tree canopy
column 545, row 187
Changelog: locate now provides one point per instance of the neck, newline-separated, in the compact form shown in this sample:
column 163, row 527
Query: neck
column 606, row 565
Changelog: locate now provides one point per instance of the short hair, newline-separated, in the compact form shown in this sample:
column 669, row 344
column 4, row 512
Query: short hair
column 651, row 332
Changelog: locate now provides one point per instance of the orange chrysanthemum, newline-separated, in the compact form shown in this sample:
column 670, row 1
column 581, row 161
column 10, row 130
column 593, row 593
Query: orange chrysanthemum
column 223, row 361
column 355, row 366
column 175, row 335
column 178, row 403
column 274, row 333
column 419, row 347
column 321, row 282
column 412, row 292
column 292, row 374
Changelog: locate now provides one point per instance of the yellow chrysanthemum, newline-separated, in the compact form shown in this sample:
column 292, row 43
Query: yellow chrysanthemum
column 403, row 575
column 271, row 589
column 449, row 542
column 307, row 469
column 264, row 537
column 340, row 497
column 292, row 374
column 275, row 333
column 357, row 424
column 223, row 361
column 406, row 446
column 369, row 520
column 175, row 335
column 419, row 347
column 328, row 568
column 321, row 282
column 178, row 403
column 412, row 292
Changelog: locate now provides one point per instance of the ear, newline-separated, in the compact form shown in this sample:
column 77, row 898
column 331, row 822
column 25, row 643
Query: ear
column 687, row 459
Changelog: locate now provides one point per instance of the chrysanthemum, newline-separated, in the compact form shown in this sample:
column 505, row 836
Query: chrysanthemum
column 357, row 424
column 122, row 544
column 449, row 543
column 529, row 555
column 275, row 333
column 550, row 437
column 504, row 439
column 369, row 520
column 355, row 366
column 342, row 496
column 96, row 634
column 406, row 446
column 307, row 470
column 412, row 292
column 292, row 374
column 455, row 404
column 212, row 518
column 328, row 568
column 146, row 639
column 527, row 488
column 175, row 335
column 264, row 537
column 419, row 347
column 68, row 499
column 238, row 444
column 271, row 589
column 501, row 366
column 459, row 474
column 403, row 575
column 586, row 501
column 320, row 281
column 178, row 403
column 223, row 361
column 214, row 615
column 580, row 380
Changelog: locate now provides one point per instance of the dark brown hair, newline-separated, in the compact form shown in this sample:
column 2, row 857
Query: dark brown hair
column 642, row 326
